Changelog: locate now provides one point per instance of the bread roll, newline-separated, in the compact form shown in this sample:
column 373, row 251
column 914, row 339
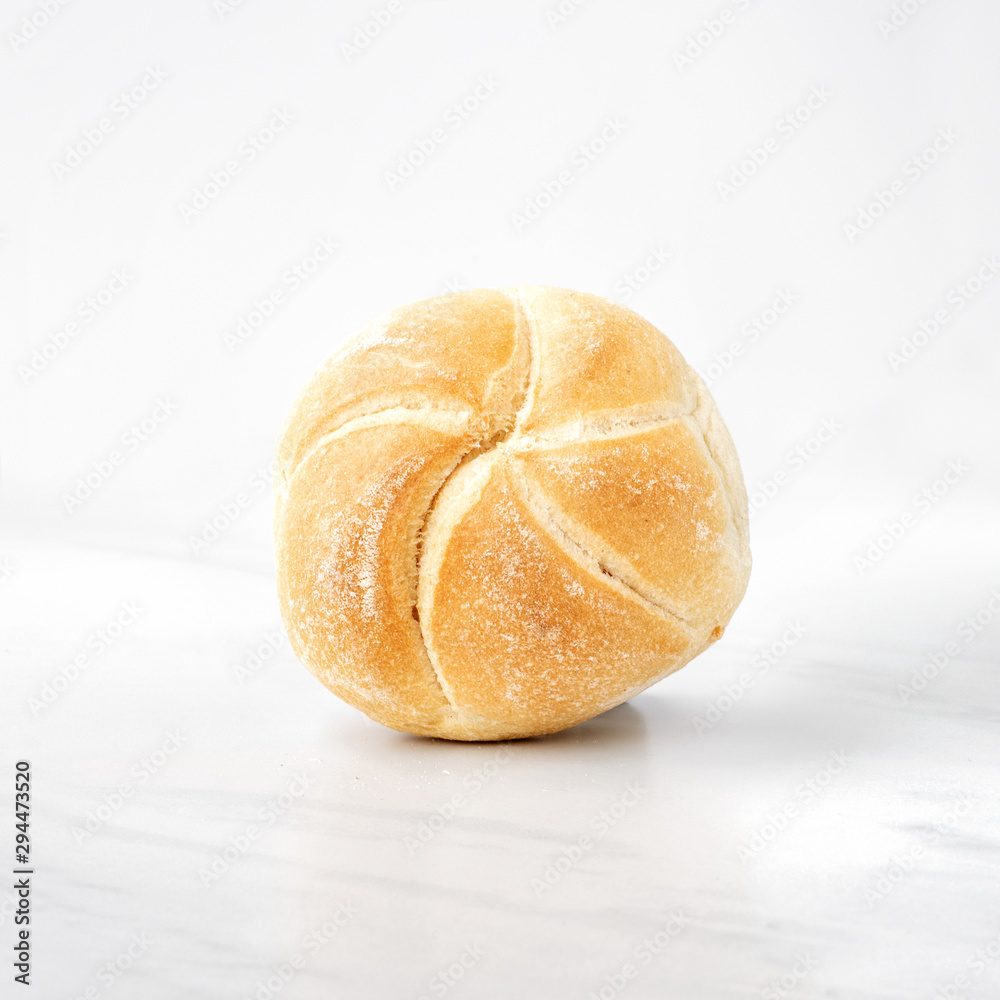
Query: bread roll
column 504, row 511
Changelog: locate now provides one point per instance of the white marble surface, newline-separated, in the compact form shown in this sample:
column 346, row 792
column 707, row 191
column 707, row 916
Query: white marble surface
column 670, row 809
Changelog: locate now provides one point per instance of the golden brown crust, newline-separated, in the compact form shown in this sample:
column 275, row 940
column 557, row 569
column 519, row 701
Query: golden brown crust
column 502, row 512
column 346, row 555
column 454, row 352
column 525, row 630
column 656, row 508
column 599, row 359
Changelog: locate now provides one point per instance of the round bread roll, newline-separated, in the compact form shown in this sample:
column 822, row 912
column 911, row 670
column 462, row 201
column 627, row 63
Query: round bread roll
column 504, row 511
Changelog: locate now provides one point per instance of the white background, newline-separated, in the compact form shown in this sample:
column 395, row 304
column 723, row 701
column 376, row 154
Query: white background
column 695, row 88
